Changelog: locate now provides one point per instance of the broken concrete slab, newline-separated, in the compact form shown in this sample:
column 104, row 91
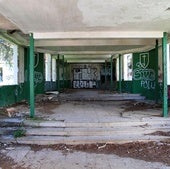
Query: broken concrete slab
column 49, row 158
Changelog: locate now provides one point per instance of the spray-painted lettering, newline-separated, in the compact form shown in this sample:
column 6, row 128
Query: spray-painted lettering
column 38, row 78
column 148, row 84
column 142, row 73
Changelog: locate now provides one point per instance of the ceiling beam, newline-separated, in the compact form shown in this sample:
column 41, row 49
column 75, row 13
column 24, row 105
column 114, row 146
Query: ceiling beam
column 94, row 42
column 98, row 34
column 94, row 52
column 106, row 52
column 87, row 56
column 86, row 61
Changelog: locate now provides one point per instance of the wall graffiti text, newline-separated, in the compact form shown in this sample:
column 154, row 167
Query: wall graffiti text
column 38, row 78
column 143, row 73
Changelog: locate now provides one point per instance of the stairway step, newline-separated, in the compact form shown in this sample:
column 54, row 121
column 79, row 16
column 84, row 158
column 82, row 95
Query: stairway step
column 156, row 123
column 91, row 131
column 49, row 140
column 11, row 122
column 105, row 97
column 7, row 130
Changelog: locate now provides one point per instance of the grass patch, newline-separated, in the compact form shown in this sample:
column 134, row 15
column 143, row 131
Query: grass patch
column 19, row 133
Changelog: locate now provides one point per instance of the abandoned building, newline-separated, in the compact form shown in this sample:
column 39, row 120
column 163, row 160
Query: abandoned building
column 71, row 45
column 82, row 81
column 119, row 48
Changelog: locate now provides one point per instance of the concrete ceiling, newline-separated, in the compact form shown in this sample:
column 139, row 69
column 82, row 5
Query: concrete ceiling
column 5, row 24
column 88, row 25
column 87, row 15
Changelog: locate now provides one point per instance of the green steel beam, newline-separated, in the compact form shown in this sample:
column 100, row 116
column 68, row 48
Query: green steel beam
column 63, row 74
column 164, row 66
column 58, row 73
column 156, row 75
column 66, row 77
column 120, row 74
column 31, row 76
column 111, row 73
column 105, row 74
column 70, row 85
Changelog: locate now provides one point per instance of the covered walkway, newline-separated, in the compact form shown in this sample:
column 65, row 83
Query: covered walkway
column 86, row 120
column 87, row 32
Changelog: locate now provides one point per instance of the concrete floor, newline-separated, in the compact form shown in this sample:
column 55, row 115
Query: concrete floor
column 91, row 121
column 51, row 159
column 106, row 117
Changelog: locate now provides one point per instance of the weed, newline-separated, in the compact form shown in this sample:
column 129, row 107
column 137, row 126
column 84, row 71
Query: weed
column 19, row 133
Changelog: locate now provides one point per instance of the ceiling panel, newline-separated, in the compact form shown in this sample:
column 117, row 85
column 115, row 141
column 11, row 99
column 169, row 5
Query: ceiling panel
column 87, row 15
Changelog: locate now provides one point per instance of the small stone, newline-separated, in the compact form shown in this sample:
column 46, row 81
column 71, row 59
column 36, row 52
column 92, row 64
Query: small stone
column 10, row 148
column 3, row 151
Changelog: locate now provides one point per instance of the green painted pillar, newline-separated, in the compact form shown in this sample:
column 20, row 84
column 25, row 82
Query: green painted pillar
column 105, row 78
column 58, row 73
column 63, row 74
column 111, row 73
column 156, row 75
column 120, row 74
column 67, row 70
column 70, row 74
column 31, row 76
column 164, row 66
column 66, row 76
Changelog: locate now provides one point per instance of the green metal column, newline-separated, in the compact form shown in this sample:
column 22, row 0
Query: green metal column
column 58, row 73
column 66, row 77
column 164, row 66
column 111, row 73
column 105, row 74
column 156, row 75
column 63, row 74
column 69, row 78
column 31, row 76
column 120, row 74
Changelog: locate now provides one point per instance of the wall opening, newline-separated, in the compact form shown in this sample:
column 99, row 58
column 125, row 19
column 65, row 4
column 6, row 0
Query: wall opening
column 8, row 63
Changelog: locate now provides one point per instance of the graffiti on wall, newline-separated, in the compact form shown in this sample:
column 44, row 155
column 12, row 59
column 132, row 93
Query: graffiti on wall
column 84, row 84
column 85, row 75
column 38, row 78
column 143, row 73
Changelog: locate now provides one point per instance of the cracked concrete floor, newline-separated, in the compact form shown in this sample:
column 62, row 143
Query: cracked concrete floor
column 45, row 158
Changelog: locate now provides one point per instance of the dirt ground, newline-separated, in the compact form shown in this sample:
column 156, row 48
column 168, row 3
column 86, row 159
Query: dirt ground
column 150, row 152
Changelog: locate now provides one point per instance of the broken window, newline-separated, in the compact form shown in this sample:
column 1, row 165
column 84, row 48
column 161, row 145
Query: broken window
column 127, row 63
column 48, row 60
column 8, row 63
column 53, row 69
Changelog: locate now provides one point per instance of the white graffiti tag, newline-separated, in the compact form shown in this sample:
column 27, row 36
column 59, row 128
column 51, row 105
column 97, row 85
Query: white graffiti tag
column 142, row 73
column 148, row 84
column 38, row 78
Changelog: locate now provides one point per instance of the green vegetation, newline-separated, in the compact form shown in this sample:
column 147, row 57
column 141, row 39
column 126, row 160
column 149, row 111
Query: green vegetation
column 19, row 133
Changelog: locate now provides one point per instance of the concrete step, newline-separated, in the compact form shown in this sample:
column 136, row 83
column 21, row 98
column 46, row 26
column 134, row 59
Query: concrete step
column 7, row 130
column 92, row 131
column 52, row 123
column 49, row 140
column 11, row 122
column 103, row 98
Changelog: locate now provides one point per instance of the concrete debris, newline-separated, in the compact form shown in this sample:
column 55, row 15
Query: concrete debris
column 42, row 98
column 11, row 111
